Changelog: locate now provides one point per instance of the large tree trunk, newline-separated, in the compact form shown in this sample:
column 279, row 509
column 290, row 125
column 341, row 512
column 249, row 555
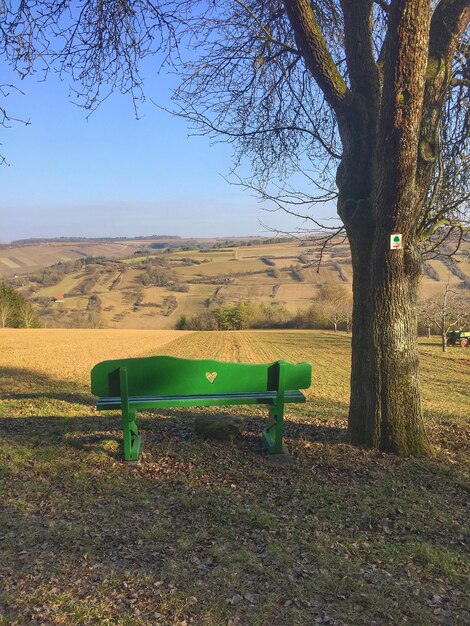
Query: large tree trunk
column 389, row 416
column 385, row 408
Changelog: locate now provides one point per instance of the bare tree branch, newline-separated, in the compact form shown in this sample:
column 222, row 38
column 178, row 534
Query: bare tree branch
column 318, row 58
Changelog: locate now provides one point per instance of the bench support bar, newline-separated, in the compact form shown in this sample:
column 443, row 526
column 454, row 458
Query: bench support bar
column 131, row 438
column 272, row 435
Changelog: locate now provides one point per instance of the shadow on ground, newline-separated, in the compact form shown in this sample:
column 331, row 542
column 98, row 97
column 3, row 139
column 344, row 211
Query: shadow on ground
column 95, row 432
column 26, row 384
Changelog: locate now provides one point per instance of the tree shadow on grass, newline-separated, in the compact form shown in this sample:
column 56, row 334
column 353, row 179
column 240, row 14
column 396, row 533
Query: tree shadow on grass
column 26, row 384
column 210, row 520
column 96, row 529
column 313, row 428
column 90, row 434
column 431, row 344
column 95, row 433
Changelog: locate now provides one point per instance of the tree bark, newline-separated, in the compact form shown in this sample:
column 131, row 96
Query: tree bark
column 444, row 341
column 361, row 421
column 399, row 425
column 385, row 408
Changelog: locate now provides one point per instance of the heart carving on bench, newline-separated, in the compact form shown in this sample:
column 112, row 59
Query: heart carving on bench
column 211, row 376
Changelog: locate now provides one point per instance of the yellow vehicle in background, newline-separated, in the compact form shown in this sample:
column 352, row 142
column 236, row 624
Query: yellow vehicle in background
column 458, row 338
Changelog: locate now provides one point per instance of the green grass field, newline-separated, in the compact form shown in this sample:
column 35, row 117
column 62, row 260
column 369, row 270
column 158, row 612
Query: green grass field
column 210, row 533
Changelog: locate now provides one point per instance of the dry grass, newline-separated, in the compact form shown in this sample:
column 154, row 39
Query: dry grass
column 209, row 534
column 64, row 354
column 64, row 286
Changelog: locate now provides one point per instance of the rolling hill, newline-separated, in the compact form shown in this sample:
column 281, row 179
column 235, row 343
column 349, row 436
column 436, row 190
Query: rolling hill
column 150, row 283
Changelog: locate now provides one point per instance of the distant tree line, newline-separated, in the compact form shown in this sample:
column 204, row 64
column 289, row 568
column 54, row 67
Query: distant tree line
column 36, row 240
column 238, row 316
column 296, row 273
column 331, row 309
column 53, row 316
column 53, row 274
column 202, row 246
column 15, row 310
column 268, row 260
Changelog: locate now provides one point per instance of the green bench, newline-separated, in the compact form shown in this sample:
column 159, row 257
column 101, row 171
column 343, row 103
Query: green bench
column 137, row 384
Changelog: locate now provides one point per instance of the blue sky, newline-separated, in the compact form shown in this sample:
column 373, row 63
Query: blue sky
column 113, row 175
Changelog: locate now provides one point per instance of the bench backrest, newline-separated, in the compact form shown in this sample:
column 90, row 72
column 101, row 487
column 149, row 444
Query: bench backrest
column 166, row 375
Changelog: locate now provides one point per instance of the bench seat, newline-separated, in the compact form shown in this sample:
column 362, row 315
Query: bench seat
column 214, row 399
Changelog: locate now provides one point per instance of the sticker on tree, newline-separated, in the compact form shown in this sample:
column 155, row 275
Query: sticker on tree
column 396, row 241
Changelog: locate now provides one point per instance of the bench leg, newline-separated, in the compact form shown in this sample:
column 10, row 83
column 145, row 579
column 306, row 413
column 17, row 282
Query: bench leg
column 132, row 439
column 272, row 435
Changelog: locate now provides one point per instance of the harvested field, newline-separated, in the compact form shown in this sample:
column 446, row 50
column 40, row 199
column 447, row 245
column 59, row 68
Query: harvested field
column 296, row 292
column 30, row 257
column 64, row 354
column 244, row 292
